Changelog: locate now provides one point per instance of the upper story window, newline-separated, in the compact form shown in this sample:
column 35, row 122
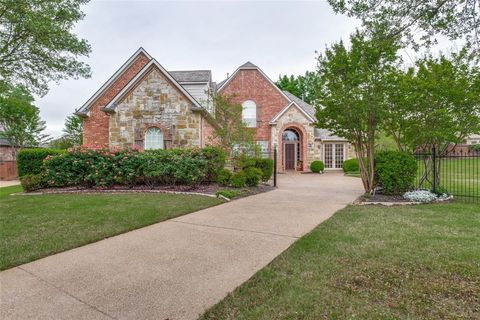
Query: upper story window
column 154, row 139
column 249, row 113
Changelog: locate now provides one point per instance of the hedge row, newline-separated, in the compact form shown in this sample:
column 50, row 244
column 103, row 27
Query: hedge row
column 30, row 161
column 104, row 168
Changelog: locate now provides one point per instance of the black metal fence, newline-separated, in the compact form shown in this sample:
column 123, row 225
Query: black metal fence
column 456, row 172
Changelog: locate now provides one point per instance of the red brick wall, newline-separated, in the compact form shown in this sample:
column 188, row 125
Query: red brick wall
column 252, row 85
column 95, row 127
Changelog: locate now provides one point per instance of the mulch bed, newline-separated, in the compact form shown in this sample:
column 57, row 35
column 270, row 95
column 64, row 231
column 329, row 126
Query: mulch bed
column 378, row 197
column 203, row 189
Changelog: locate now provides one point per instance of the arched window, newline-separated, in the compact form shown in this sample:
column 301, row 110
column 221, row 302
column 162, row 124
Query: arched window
column 249, row 113
column 153, row 139
column 290, row 135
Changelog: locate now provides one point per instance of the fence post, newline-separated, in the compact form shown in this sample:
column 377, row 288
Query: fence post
column 434, row 160
column 275, row 166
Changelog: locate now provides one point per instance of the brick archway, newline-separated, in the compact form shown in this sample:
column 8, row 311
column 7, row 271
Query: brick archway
column 302, row 143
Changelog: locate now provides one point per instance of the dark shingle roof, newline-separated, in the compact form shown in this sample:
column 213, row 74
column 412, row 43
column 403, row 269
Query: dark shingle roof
column 308, row 108
column 248, row 64
column 192, row 75
column 325, row 134
column 4, row 142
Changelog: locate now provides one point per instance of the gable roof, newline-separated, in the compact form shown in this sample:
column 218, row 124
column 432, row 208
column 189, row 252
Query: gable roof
column 192, row 75
column 326, row 135
column 291, row 104
column 250, row 66
column 84, row 108
column 307, row 108
column 135, row 80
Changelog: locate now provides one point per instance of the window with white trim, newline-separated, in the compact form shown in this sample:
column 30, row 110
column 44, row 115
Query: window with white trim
column 249, row 113
column 153, row 139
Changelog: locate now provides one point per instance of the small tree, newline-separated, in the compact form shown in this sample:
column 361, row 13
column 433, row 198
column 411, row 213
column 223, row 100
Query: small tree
column 231, row 134
column 352, row 94
column 73, row 130
column 20, row 119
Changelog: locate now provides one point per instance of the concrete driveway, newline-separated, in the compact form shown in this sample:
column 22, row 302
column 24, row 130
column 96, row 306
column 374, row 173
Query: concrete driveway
column 177, row 268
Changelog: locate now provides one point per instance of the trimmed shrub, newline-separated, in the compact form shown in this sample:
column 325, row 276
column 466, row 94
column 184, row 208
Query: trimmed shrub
column 224, row 176
column 32, row 182
column 30, row 161
column 350, row 165
column 104, row 168
column 395, row 171
column 317, row 166
column 266, row 166
column 253, row 176
column 239, row 179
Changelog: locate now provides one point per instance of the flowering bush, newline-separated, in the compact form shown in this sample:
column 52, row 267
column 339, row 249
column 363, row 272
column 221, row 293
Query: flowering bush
column 104, row 168
column 423, row 196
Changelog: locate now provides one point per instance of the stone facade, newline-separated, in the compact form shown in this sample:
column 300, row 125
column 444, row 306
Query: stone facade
column 293, row 118
column 96, row 125
column 155, row 102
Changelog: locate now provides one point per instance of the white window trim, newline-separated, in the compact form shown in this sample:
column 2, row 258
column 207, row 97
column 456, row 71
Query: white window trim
column 333, row 143
column 243, row 117
column 162, row 144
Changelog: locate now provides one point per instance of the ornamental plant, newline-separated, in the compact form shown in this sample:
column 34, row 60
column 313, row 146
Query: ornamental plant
column 395, row 171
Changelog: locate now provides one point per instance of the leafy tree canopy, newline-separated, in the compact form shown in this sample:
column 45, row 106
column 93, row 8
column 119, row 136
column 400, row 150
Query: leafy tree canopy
column 352, row 94
column 37, row 44
column 20, row 119
column 303, row 87
column 418, row 21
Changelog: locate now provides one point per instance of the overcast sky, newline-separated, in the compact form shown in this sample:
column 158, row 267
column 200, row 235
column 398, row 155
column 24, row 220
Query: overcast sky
column 279, row 37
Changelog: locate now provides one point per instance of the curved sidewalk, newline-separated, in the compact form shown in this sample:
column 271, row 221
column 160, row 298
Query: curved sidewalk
column 177, row 268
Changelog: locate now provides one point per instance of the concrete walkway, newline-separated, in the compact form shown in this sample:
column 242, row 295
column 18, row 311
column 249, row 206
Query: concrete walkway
column 177, row 268
column 8, row 183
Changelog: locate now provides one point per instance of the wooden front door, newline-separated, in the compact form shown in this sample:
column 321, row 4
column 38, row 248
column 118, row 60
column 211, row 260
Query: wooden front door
column 289, row 156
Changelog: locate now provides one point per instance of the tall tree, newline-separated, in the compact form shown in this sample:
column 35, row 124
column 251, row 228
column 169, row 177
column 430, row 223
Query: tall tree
column 301, row 86
column 37, row 44
column 352, row 94
column 424, row 19
column 435, row 104
column 20, row 119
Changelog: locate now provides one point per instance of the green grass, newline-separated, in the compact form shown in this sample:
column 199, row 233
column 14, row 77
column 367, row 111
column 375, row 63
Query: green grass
column 408, row 262
column 355, row 174
column 36, row 226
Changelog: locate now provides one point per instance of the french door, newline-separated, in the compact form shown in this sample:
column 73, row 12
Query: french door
column 333, row 155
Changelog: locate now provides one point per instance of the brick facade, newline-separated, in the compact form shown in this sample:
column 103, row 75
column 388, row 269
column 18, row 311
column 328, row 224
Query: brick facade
column 250, row 84
column 96, row 126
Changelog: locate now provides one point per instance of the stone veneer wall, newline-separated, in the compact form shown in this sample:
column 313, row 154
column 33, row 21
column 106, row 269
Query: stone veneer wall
column 296, row 119
column 155, row 102
column 95, row 127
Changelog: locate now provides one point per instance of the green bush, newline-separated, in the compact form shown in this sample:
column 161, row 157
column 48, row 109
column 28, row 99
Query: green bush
column 224, row 176
column 104, row 168
column 266, row 166
column 253, row 176
column 350, row 165
column 227, row 193
column 395, row 171
column 32, row 182
column 317, row 166
column 30, row 161
column 475, row 147
column 238, row 180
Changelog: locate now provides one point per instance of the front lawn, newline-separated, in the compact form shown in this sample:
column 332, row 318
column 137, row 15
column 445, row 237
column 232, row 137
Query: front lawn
column 415, row 262
column 35, row 226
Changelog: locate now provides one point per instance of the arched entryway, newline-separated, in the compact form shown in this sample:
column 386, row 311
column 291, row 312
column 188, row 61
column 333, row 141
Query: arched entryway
column 291, row 149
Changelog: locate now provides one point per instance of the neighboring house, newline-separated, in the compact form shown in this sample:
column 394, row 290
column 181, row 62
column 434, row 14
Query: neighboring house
column 473, row 139
column 8, row 166
column 145, row 106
